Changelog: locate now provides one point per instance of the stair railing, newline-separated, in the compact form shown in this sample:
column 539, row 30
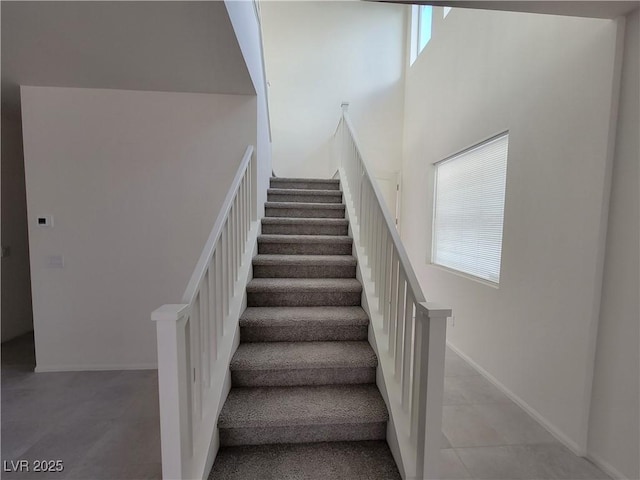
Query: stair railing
column 410, row 333
column 196, row 338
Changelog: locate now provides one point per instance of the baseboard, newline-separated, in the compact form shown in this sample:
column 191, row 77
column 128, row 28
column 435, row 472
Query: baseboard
column 96, row 368
column 533, row 413
column 606, row 467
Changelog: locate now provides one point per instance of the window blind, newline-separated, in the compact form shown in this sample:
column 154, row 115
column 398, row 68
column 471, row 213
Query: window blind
column 469, row 209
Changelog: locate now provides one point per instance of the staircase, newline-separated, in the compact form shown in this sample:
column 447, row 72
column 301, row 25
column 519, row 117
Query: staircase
column 303, row 402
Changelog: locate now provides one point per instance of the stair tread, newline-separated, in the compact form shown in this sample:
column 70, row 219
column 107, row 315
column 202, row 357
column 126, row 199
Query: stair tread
column 303, row 355
column 260, row 407
column 282, row 238
column 357, row 460
column 292, row 260
column 304, row 221
column 298, row 316
column 308, row 180
column 301, row 285
column 303, row 191
column 305, row 205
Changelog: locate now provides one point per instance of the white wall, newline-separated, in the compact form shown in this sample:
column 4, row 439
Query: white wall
column 614, row 428
column 125, row 45
column 319, row 54
column 246, row 26
column 549, row 81
column 134, row 181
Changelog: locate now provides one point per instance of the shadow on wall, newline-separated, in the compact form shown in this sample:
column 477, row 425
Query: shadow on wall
column 17, row 314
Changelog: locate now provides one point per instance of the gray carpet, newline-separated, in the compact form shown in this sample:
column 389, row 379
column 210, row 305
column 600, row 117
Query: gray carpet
column 366, row 460
column 304, row 403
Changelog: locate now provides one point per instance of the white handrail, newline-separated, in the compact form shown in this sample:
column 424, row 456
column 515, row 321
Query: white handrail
column 412, row 364
column 388, row 218
column 196, row 339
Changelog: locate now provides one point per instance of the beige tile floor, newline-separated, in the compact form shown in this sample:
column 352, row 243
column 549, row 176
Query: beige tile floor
column 105, row 425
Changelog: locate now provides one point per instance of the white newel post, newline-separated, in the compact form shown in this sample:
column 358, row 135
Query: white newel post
column 171, row 327
column 431, row 331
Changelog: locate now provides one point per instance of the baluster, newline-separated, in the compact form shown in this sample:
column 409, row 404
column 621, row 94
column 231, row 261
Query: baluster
column 358, row 208
column 239, row 233
column 363, row 225
column 379, row 252
column 393, row 304
column 219, row 253
column 213, row 308
column 360, row 174
column 222, row 286
column 246, row 211
column 384, row 277
column 407, row 353
column 237, row 239
column 245, row 225
column 354, row 157
column 239, row 228
column 370, row 222
column 374, row 243
column 228, row 274
column 205, row 343
column 195, row 357
column 252, row 197
column 241, row 203
column 365, row 216
column 234, row 242
column 400, row 332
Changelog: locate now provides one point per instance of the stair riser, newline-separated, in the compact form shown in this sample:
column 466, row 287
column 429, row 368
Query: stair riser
column 316, row 333
column 279, row 197
column 305, row 229
column 302, row 299
column 304, row 212
column 276, row 248
column 302, row 376
column 275, row 183
column 302, row 434
column 304, row 271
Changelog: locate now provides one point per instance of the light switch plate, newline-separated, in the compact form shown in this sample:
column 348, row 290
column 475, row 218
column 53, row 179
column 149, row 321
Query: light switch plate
column 44, row 220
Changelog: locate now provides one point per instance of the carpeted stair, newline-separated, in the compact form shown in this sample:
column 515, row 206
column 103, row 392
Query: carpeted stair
column 303, row 402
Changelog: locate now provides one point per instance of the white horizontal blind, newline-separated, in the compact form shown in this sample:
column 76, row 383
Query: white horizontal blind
column 469, row 209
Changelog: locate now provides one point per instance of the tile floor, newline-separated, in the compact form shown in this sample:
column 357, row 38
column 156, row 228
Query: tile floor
column 104, row 425
column 487, row 436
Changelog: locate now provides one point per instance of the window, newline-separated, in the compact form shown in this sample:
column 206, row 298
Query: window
column 421, row 20
column 469, row 209
column 424, row 26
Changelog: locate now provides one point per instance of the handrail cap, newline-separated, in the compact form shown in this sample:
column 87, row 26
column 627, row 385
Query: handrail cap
column 170, row 312
column 433, row 310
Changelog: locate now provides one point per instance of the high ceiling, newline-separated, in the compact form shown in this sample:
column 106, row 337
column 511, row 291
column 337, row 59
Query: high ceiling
column 159, row 46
